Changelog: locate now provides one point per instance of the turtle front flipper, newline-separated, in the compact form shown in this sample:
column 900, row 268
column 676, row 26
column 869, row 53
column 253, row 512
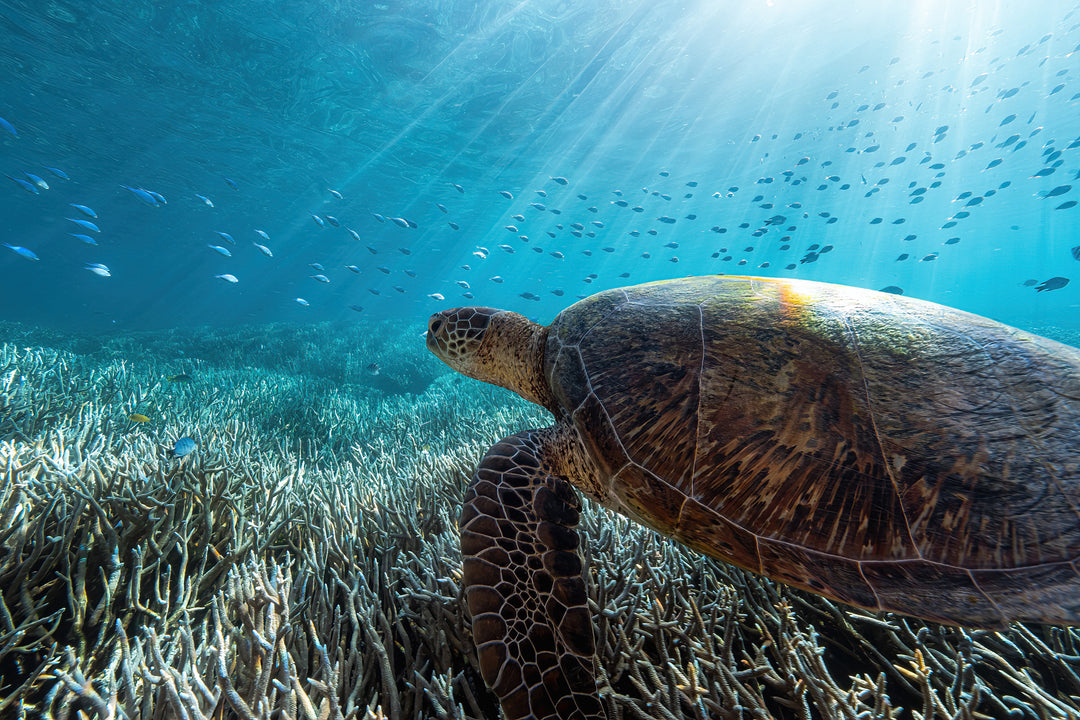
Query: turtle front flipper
column 524, row 587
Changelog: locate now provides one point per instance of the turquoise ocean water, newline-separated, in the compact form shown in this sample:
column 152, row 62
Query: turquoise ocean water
column 927, row 146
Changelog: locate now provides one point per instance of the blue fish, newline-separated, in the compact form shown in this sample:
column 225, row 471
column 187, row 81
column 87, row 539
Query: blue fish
column 320, row 278
column 85, row 238
column 218, row 248
column 57, row 172
column 39, row 181
column 86, row 224
column 28, row 187
column 8, row 126
column 231, row 183
column 84, row 210
column 205, row 199
column 400, row 222
column 183, row 446
column 143, row 196
column 226, row 237
column 28, row 254
column 318, row 220
column 157, row 196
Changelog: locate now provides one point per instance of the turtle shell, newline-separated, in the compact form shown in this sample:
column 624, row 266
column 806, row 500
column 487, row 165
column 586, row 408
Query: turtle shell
column 880, row 450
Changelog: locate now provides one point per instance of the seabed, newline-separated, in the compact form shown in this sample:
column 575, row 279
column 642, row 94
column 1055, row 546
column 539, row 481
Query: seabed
column 303, row 562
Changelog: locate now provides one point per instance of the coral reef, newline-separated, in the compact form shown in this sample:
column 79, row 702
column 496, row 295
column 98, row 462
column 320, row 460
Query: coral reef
column 303, row 561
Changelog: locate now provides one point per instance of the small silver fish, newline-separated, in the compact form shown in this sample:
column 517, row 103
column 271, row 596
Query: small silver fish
column 98, row 269
column 219, row 249
column 229, row 278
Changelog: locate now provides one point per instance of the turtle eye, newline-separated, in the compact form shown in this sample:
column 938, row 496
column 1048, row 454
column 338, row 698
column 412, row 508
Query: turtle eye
column 436, row 325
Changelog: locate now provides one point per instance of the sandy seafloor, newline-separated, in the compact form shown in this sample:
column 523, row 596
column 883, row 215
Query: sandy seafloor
column 303, row 562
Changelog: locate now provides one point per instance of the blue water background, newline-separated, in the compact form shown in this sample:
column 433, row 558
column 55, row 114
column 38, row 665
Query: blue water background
column 393, row 103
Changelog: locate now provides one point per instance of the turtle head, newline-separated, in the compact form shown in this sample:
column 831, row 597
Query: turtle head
column 496, row 346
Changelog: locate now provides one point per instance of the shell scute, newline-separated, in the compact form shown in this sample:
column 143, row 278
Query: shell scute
column 649, row 388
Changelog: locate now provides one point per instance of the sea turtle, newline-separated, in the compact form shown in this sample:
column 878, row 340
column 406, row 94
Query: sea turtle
column 882, row 451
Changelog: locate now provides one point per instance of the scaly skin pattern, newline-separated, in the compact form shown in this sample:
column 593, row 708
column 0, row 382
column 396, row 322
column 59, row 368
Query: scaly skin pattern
column 523, row 581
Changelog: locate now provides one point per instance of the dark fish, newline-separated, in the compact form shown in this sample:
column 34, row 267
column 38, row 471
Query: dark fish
column 1076, row 252
column 1066, row 205
column 904, row 256
column 1059, row 190
column 1054, row 283
column 893, row 289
